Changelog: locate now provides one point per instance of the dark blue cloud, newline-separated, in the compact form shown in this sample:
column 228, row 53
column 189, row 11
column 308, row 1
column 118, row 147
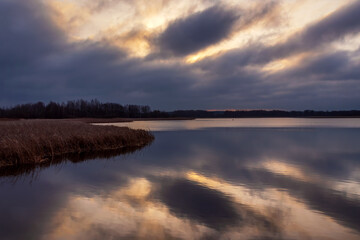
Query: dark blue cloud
column 26, row 34
column 336, row 26
column 197, row 31
column 202, row 29
column 335, row 66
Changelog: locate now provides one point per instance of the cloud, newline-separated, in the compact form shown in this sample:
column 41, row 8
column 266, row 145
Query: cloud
column 335, row 66
column 197, row 31
column 203, row 29
column 341, row 23
column 26, row 33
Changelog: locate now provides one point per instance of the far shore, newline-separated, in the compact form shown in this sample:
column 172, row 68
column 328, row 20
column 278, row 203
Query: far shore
column 25, row 142
column 115, row 120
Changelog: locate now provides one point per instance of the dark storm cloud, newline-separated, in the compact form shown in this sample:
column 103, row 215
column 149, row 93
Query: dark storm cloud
column 336, row 26
column 202, row 29
column 329, row 66
column 38, row 64
column 26, row 34
column 197, row 31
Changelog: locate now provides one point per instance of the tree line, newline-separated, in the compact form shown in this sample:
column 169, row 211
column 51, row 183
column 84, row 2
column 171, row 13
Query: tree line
column 79, row 109
column 96, row 109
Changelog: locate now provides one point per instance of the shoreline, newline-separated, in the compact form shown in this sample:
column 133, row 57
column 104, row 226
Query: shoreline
column 115, row 120
column 26, row 142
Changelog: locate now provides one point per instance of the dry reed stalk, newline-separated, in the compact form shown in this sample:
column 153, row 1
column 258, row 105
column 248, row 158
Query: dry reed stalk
column 35, row 141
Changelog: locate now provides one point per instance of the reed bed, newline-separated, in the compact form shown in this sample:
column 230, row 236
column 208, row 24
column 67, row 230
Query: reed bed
column 38, row 141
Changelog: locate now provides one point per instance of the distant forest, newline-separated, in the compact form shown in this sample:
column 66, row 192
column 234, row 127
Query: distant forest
column 96, row 109
column 79, row 109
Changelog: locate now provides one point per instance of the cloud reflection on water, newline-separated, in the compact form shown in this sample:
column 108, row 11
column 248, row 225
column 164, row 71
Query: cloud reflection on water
column 208, row 184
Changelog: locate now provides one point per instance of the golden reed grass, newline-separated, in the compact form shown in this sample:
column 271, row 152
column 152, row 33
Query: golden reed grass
column 36, row 141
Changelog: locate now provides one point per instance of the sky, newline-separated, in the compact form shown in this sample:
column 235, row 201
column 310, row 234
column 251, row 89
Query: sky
column 204, row 54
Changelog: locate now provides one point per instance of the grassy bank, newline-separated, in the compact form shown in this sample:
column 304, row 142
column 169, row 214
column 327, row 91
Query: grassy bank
column 37, row 141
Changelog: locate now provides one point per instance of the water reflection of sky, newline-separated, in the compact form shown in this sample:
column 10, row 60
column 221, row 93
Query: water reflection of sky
column 203, row 123
column 221, row 183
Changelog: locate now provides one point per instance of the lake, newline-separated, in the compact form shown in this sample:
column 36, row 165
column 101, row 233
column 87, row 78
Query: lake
column 200, row 179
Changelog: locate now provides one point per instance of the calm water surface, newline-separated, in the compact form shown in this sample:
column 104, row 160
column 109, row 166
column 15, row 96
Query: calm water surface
column 202, row 179
column 198, row 124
